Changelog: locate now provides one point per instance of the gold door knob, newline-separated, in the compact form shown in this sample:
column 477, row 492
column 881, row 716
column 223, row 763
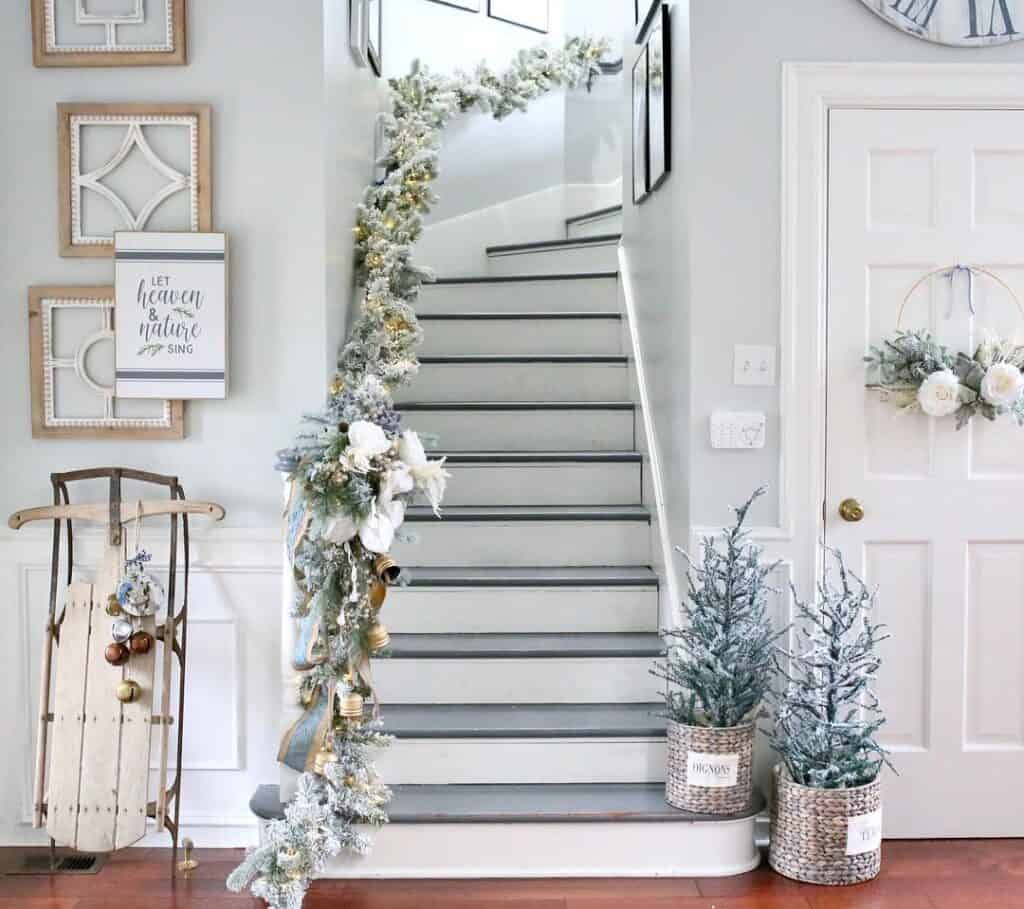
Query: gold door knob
column 851, row 510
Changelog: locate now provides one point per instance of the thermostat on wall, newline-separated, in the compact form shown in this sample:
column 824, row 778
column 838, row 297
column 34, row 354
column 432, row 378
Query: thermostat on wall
column 737, row 430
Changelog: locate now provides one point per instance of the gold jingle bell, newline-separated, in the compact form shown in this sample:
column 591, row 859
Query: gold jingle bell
column 323, row 759
column 386, row 569
column 351, row 706
column 377, row 637
column 113, row 606
column 128, row 691
column 378, row 593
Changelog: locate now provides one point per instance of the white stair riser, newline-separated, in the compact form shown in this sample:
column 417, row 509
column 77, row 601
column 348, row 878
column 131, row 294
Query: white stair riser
column 590, row 295
column 427, row 610
column 446, row 337
column 557, row 261
column 544, row 484
column 518, row 382
column 610, row 224
column 533, row 680
column 439, row 761
column 551, row 850
column 527, row 430
column 526, row 543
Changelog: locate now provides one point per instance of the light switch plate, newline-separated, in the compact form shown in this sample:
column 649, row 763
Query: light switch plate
column 754, row 365
column 737, row 430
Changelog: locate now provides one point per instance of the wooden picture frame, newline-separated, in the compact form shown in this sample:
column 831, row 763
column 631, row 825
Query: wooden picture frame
column 47, row 52
column 73, row 118
column 659, row 100
column 46, row 423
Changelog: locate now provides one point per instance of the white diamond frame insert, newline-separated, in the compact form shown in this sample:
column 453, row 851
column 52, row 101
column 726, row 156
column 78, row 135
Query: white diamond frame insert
column 164, row 43
column 76, row 121
column 45, row 306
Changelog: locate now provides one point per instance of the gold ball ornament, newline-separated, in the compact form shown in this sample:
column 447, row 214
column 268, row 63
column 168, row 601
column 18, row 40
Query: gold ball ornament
column 337, row 385
column 377, row 637
column 350, row 707
column 128, row 691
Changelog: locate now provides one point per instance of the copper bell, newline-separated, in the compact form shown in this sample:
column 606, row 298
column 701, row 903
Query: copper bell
column 141, row 642
column 116, row 654
column 128, row 691
column 386, row 569
column 378, row 593
column 377, row 637
column 351, row 706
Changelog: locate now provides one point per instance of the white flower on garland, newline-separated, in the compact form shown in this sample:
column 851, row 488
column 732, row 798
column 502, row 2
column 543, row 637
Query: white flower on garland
column 429, row 476
column 939, row 394
column 366, row 441
column 377, row 532
column 1002, row 385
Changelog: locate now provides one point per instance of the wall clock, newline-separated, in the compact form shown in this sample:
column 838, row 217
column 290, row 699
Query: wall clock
column 961, row 23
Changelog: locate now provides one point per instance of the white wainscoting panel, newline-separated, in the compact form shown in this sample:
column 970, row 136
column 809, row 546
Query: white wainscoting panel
column 232, row 710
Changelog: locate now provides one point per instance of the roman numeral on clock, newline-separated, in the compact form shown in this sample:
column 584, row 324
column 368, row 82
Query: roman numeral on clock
column 919, row 12
column 1003, row 12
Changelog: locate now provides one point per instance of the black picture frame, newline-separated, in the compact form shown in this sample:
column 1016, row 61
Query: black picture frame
column 504, row 18
column 644, row 11
column 659, row 100
column 641, row 127
column 375, row 35
column 469, row 6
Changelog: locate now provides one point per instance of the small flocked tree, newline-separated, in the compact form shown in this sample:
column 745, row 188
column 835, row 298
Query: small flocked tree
column 828, row 714
column 720, row 663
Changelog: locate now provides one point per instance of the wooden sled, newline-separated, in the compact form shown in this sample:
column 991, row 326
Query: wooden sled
column 93, row 753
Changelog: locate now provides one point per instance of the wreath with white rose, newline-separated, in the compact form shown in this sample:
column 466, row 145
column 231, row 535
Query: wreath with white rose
column 915, row 372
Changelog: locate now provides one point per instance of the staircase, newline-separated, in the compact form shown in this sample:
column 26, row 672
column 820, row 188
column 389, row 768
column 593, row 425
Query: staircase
column 528, row 736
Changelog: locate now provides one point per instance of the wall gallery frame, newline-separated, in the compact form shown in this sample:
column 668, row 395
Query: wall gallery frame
column 94, row 141
column 643, row 14
column 71, row 354
column 659, row 100
column 641, row 139
column 530, row 14
column 122, row 33
column 375, row 34
column 471, row 6
column 357, row 31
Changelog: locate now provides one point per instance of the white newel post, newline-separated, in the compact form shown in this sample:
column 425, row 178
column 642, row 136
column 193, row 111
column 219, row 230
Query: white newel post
column 291, row 710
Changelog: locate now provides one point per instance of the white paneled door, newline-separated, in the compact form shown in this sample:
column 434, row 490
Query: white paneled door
column 942, row 533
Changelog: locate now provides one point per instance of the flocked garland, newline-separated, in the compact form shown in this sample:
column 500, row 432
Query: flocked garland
column 354, row 471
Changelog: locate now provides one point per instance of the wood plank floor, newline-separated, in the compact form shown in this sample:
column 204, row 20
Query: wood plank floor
column 946, row 874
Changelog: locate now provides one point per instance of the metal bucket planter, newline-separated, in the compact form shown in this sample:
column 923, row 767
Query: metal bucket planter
column 826, row 836
column 710, row 770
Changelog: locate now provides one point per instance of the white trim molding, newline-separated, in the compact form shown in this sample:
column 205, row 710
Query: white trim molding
column 810, row 91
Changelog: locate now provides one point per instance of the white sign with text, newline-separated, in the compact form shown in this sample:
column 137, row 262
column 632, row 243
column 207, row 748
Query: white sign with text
column 864, row 833
column 712, row 771
column 170, row 317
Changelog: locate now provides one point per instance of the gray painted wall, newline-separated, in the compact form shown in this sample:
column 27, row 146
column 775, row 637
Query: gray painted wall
column 656, row 238
column 290, row 157
column 738, row 51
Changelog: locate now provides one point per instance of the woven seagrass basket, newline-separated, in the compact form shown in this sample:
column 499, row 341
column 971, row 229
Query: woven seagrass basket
column 734, row 744
column 810, row 830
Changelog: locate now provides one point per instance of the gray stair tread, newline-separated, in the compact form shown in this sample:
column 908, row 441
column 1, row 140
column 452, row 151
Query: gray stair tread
column 457, row 721
column 533, row 577
column 515, row 405
column 524, row 279
column 515, row 316
column 582, row 359
column 513, row 646
column 532, row 513
column 554, row 245
column 540, row 457
column 523, row 803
